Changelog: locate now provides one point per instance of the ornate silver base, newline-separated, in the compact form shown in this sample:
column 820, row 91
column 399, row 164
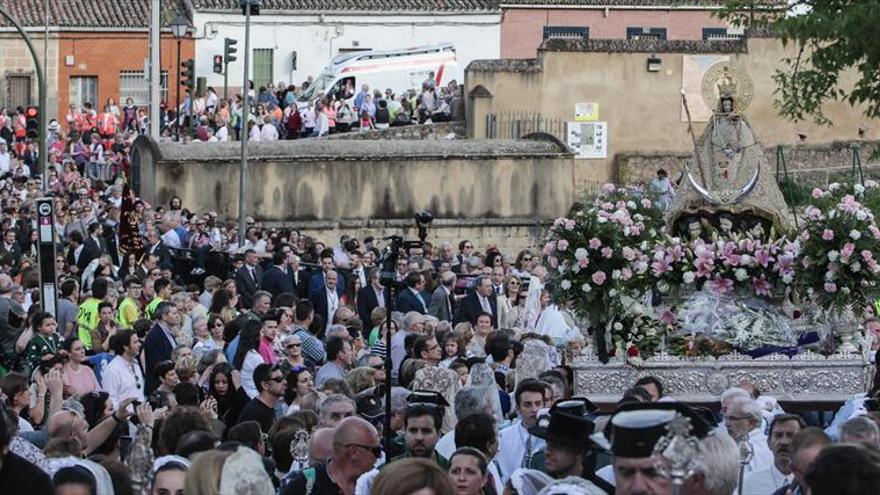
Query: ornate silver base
column 808, row 376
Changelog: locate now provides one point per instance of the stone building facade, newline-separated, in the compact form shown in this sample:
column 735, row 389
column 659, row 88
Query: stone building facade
column 642, row 108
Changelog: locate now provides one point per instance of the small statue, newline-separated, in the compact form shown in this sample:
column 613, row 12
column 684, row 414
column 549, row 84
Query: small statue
column 299, row 450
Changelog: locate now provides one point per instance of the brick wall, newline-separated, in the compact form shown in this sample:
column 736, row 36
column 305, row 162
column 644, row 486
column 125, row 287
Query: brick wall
column 105, row 55
column 522, row 29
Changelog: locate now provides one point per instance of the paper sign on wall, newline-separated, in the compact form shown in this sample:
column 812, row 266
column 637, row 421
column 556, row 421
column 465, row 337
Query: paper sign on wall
column 586, row 112
column 588, row 139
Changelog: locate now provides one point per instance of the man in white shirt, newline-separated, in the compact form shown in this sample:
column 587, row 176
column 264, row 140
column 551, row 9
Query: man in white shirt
column 516, row 446
column 4, row 158
column 122, row 377
column 743, row 421
column 782, row 431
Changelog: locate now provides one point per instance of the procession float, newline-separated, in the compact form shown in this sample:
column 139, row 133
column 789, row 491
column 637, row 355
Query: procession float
column 724, row 282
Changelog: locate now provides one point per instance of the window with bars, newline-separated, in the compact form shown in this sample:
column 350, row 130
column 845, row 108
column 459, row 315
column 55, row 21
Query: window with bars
column 641, row 33
column 719, row 34
column 19, row 89
column 83, row 89
column 262, row 66
column 133, row 84
column 566, row 32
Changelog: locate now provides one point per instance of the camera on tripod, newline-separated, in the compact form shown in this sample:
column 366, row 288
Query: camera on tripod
column 388, row 261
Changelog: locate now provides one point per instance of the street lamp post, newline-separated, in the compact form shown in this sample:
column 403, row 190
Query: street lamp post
column 247, row 5
column 179, row 27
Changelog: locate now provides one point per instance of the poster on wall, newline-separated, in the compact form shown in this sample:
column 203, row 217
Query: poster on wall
column 588, row 139
column 586, row 112
column 694, row 68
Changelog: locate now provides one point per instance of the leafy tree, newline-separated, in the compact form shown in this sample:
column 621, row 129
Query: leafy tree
column 832, row 37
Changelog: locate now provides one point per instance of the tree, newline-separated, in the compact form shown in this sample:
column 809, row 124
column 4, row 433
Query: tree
column 832, row 37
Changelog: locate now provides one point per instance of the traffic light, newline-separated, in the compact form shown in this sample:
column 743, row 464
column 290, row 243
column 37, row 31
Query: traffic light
column 32, row 122
column 218, row 64
column 188, row 75
column 254, row 4
column 229, row 50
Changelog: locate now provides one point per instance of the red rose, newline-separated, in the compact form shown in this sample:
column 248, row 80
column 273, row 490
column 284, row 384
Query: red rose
column 633, row 351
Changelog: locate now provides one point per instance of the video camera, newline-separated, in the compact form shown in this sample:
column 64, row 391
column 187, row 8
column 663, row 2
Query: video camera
column 391, row 253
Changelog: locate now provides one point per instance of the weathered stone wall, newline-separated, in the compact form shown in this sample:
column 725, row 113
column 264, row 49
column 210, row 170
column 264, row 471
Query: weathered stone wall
column 440, row 130
column 510, row 235
column 499, row 192
column 807, row 164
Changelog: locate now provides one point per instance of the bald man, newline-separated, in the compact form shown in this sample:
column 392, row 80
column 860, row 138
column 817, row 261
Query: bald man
column 321, row 445
column 66, row 424
column 356, row 447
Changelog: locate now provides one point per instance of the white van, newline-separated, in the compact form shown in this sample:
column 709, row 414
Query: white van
column 399, row 70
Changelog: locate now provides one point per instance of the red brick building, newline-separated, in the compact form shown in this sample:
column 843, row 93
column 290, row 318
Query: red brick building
column 525, row 24
column 98, row 49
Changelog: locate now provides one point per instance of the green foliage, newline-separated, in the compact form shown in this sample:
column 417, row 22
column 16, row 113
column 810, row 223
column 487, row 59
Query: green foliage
column 795, row 194
column 832, row 37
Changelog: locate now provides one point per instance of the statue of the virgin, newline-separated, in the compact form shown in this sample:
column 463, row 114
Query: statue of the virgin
column 729, row 172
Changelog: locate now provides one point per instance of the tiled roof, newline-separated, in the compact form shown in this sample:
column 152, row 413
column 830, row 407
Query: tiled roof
column 88, row 13
column 383, row 6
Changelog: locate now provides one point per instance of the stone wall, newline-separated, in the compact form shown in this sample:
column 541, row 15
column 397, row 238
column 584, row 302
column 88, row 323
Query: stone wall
column 807, row 164
column 510, row 235
column 440, row 130
column 502, row 192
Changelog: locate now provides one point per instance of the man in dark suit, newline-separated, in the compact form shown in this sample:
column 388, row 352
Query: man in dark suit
column 95, row 241
column 480, row 300
column 78, row 255
column 411, row 298
column 249, row 278
column 157, row 247
column 317, row 283
column 298, row 278
column 370, row 297
column 160, row 342
column 276, row 279
column 442, row 305
column 10, row 250
column 326, row 302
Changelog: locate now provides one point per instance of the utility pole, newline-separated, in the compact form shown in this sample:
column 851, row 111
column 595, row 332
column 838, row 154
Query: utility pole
column 245, row 118
column 155, row 70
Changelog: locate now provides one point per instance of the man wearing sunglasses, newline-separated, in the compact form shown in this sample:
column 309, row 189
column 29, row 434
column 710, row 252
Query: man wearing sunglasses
column 271, row 384
column 356, row 447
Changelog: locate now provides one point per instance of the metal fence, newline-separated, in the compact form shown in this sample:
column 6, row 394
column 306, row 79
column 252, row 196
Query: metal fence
column 516, row 124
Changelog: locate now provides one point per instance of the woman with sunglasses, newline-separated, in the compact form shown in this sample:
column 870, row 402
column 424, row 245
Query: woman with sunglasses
column 523, row 264
column 293, row 355
column 225, row 387
column 510, row 304
column 299, row 384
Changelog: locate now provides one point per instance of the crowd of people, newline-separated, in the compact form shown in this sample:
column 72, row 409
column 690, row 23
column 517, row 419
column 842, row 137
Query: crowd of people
column 179, row 360
column 284, row 112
